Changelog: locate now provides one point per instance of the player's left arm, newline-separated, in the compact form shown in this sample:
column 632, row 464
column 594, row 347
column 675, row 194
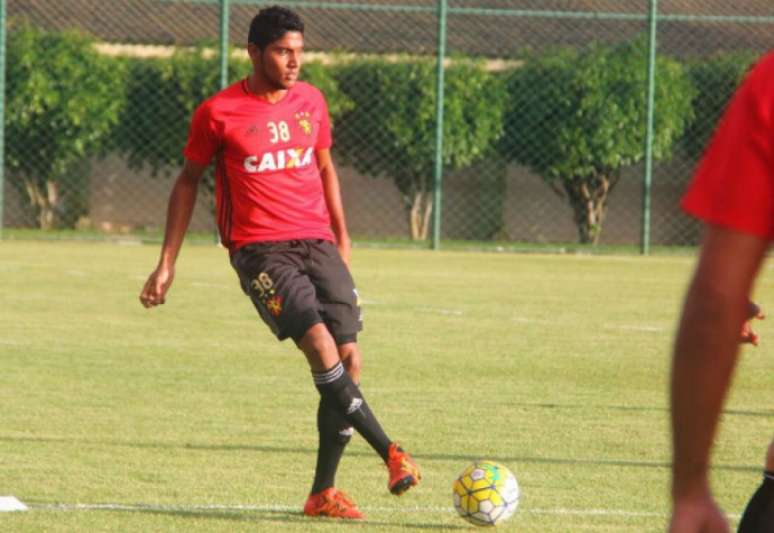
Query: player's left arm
column 705, row 352
column 332, row 189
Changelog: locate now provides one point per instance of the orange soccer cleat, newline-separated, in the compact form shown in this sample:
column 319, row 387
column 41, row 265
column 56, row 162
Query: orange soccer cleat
column 404, row 472
column 333, row 504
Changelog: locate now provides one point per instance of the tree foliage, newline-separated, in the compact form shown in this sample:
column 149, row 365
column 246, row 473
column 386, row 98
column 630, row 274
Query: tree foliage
column 391, row 130
column 62, row 99
column 324, row 78
column 715, row 79
column 577, row 118
column 162, row 95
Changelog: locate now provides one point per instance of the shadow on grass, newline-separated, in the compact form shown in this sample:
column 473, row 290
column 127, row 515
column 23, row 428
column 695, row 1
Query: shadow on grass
column 640, row 408
column 277, row 517
column 508, row 459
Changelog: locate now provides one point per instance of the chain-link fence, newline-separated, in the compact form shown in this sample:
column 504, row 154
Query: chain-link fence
column 545, row 130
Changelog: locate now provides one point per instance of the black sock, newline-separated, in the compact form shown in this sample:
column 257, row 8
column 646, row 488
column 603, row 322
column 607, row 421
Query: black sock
column 337, row 387
column 335, row 434
column 758, row 517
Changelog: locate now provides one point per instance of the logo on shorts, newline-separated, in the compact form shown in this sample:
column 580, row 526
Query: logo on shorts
column 274, row 305
column 359, row 307
column 263, row 288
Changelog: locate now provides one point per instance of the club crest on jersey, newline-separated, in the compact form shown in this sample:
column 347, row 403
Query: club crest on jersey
column 304, row 121
column 279, row 160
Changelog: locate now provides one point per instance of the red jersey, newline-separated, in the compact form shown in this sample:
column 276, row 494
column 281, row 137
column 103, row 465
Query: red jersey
column 734, row 184
column 268, row 185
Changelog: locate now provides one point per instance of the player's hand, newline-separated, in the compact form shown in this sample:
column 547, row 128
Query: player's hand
column 698, row 515
column 748, row 335
column 155, row 289
column 345, row 250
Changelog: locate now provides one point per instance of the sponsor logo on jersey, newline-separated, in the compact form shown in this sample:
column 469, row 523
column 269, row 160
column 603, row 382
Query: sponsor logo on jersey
column 279, row 160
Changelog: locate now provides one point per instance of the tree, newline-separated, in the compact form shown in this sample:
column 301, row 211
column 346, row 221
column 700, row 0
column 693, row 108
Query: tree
column 577, row 118
column 391, row 130
column 62, row 99
column 715, row 80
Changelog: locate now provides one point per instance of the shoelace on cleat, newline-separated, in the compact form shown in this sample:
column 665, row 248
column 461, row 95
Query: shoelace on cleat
column 339, row 502
column 404, row 465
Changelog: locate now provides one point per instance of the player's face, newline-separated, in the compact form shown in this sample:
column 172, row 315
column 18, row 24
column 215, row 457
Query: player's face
column 280, row 62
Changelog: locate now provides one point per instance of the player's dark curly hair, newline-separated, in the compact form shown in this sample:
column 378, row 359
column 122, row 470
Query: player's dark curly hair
column 272, row 23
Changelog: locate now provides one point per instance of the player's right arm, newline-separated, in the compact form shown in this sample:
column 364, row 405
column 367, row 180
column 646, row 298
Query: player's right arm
column 748, row 336
column 181, row 205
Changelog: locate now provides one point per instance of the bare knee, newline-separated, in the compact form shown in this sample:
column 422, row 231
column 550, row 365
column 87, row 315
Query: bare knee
column 352, row 360
column 319, row 348
column 770, row 457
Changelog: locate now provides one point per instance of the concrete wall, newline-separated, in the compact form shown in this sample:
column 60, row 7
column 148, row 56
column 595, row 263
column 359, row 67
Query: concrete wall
column 122, row 200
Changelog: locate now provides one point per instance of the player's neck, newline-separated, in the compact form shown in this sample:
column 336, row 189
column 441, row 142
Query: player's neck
column 263, row 89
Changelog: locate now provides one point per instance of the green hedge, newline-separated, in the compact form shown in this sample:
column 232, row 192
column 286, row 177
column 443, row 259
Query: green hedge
column 574, row 117
column 162, row 95
column 577, row 118
column 390, row 132
column 715, row 80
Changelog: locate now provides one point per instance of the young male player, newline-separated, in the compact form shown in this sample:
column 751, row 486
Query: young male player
column 280, row 215
column 733, row 193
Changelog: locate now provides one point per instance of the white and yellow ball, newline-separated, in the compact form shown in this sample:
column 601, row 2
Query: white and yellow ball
column 486, row 493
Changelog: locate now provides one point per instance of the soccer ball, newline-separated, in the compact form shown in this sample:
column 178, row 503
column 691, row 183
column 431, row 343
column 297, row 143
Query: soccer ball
column 486, row 493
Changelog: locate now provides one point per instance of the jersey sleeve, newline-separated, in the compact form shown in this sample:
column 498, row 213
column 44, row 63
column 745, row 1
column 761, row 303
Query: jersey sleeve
column 734, row 183
column 324, row 137
column 203, row 139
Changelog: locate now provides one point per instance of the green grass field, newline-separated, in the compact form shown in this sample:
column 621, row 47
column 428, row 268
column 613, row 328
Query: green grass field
column 192, row 417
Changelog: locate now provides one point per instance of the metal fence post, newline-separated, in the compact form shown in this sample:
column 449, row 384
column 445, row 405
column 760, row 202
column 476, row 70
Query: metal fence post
column 224, row 8
column 2, row 111
column 651, row 104
column 438, row 175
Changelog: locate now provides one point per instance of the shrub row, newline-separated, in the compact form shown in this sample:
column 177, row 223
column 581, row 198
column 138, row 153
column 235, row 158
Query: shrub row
column 575, row 117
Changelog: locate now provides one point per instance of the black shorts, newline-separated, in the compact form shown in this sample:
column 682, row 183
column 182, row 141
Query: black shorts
column 297, row 284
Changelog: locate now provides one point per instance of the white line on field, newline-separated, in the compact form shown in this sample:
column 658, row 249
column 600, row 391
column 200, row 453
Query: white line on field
column 12, row 342
column 636, row 327
column 212, row 507
column 440, row 310
column 596, row 512
column 291, row 508
column 528, row 320
column 207, row 285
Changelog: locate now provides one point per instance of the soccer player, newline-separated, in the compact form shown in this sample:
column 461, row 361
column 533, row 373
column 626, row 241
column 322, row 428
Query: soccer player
column 280, row 215
column 733, row 194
